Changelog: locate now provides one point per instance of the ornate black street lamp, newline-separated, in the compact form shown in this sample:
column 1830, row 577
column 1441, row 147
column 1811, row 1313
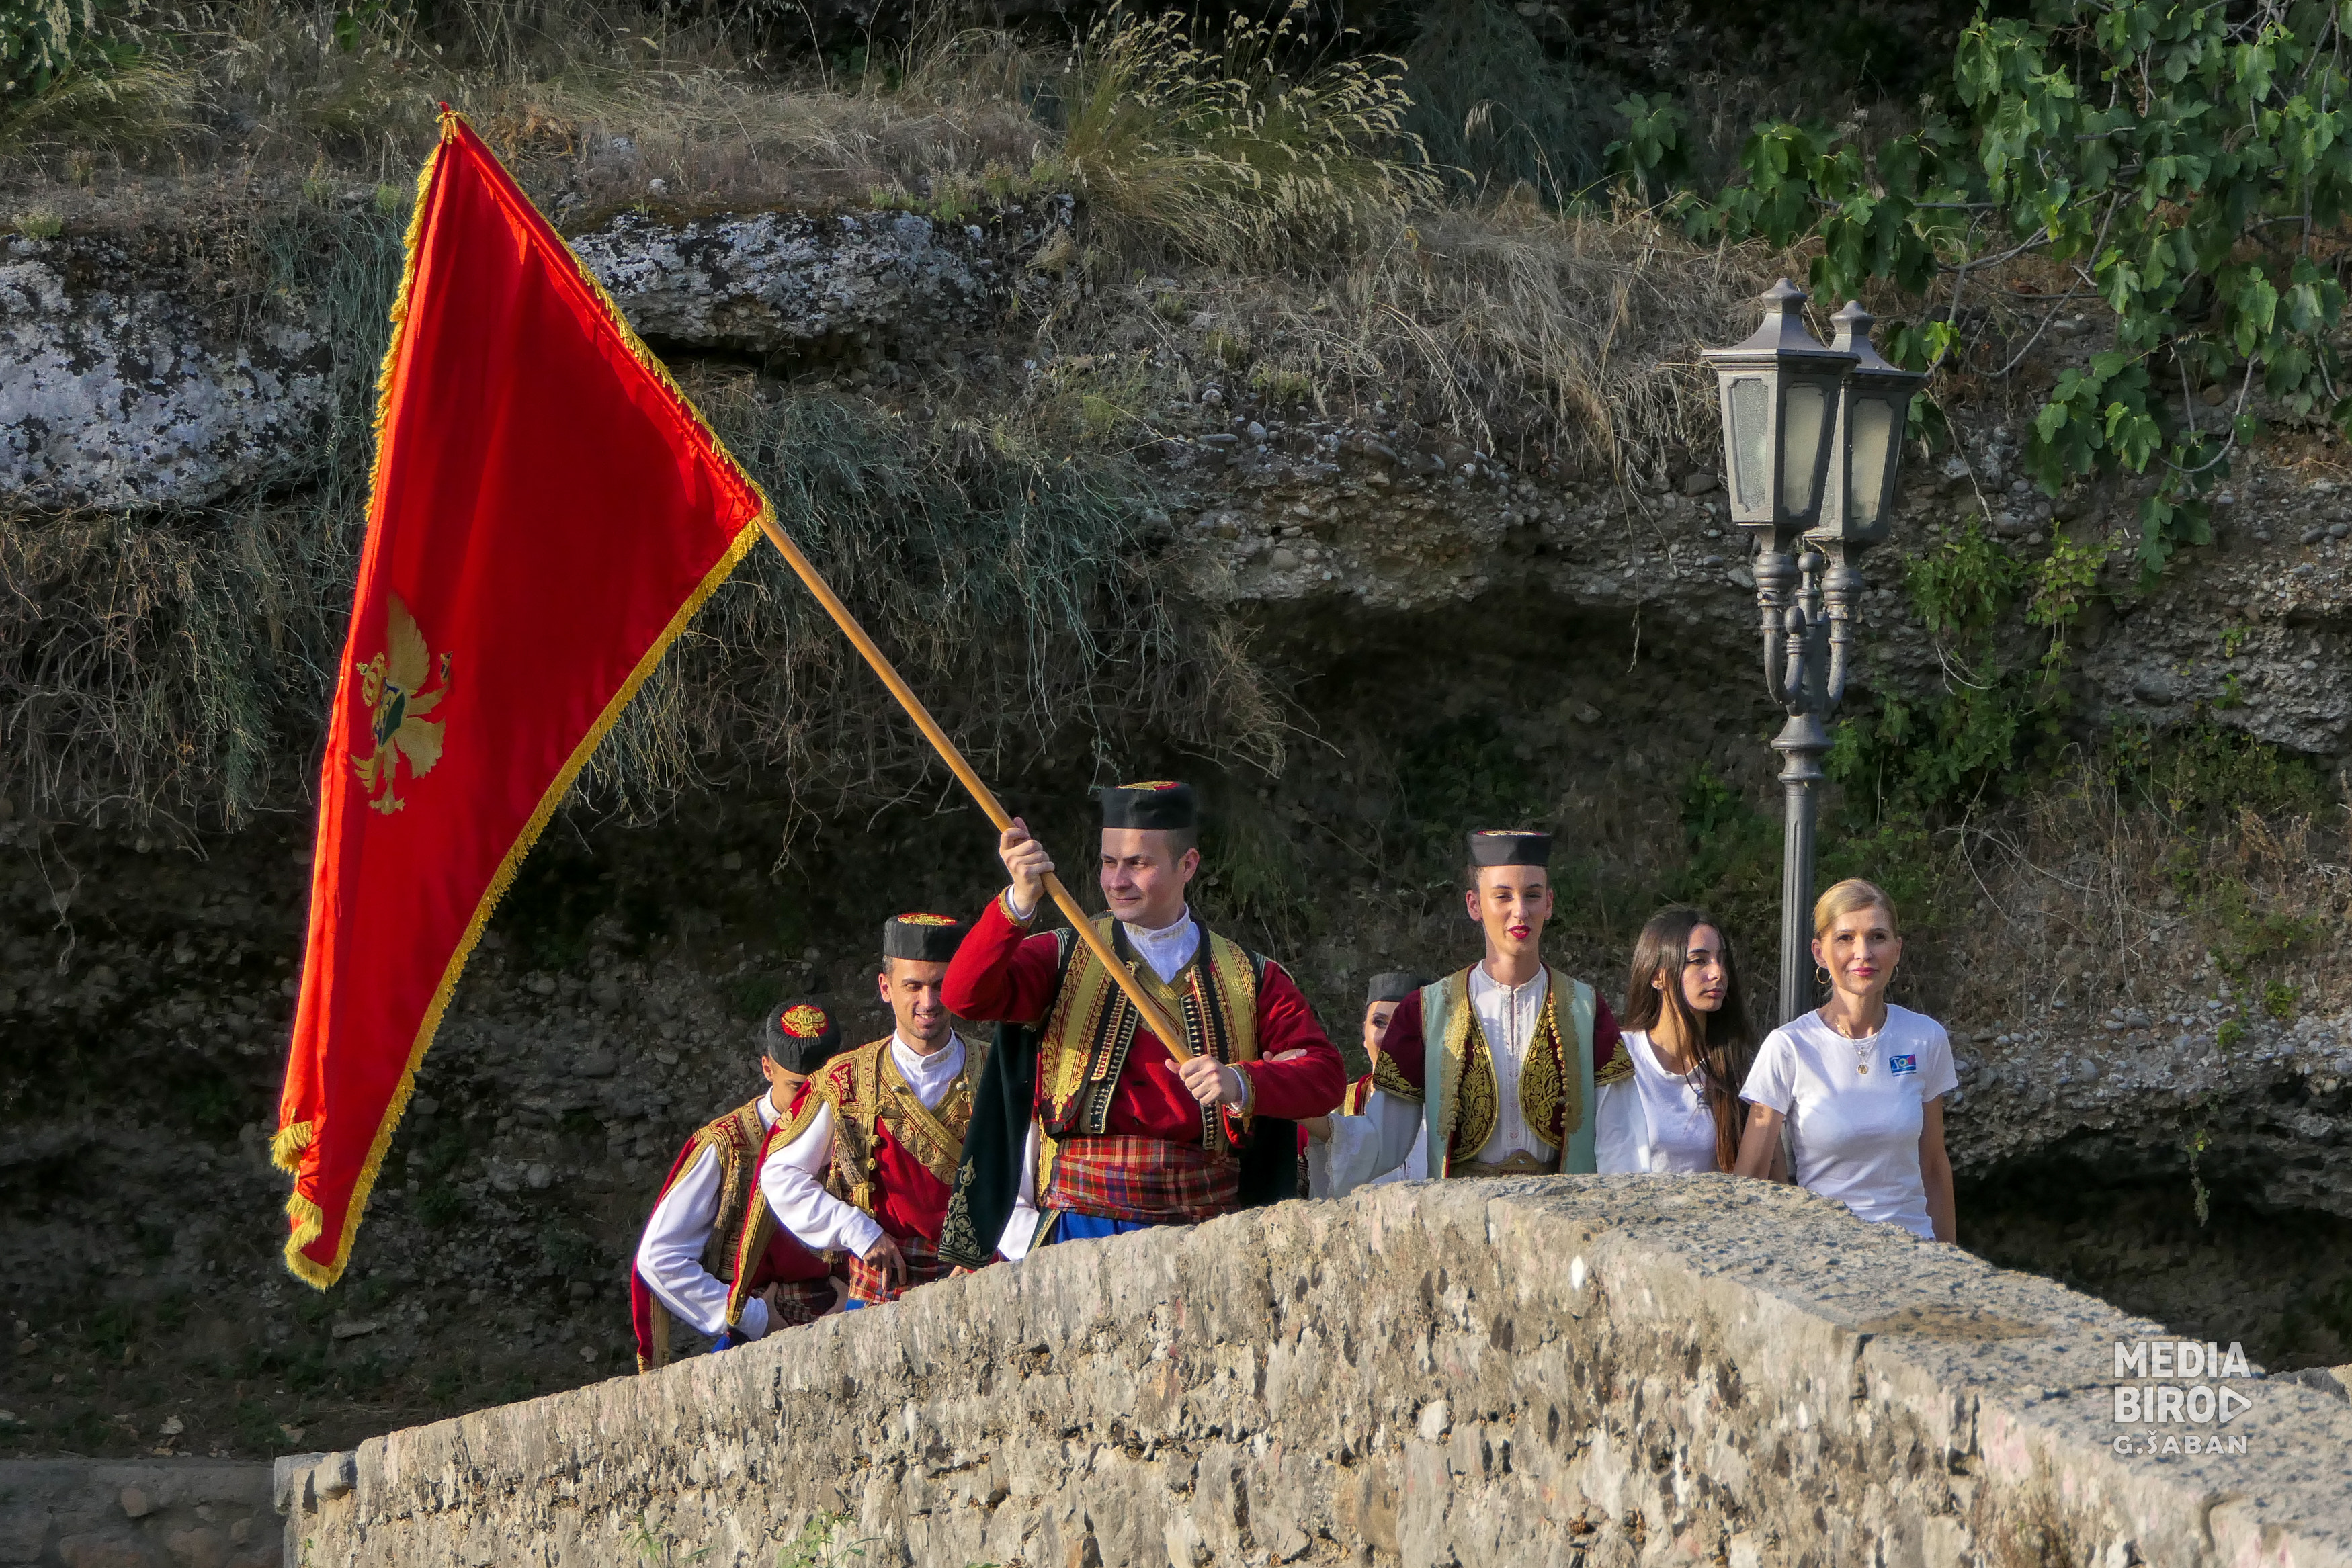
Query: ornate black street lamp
column 1812, row 437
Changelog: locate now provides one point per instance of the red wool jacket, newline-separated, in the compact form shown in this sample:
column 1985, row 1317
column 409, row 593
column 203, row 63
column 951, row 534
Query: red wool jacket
column 1000, row 974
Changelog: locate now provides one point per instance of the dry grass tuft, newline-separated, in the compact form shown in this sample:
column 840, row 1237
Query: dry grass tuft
column 1511, row 316
column 593, row 98
column 1217, row 153
column 147, row 100
column 1572, row 336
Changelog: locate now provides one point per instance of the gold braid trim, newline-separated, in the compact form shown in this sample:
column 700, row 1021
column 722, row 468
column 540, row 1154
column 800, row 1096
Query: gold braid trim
column 1087, row 1013
column 1390, row 1079
column 738, row 1136
column 307, row 1223
column 1619, row 1067
column 1481, row 1099
column 795, row 1122
column 1461, row 1018
column 1547, row 1084
column 934, row 1137
column 750, row 1244
column 856, row 1109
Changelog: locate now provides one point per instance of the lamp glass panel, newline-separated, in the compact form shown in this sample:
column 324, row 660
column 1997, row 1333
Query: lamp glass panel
column 1747, row 404
column 1872, row 431
column 1805, row 410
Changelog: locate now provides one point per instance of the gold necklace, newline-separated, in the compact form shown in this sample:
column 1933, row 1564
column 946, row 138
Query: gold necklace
column 1860, row 1047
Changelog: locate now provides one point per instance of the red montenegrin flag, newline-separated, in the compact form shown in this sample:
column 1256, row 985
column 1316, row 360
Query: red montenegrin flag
column 548, row 511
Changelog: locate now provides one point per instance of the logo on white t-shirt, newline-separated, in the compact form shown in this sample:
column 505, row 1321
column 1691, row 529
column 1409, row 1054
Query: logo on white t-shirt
column 1899, row 1065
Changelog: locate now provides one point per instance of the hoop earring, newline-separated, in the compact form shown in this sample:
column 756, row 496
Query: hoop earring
column 1820, row 974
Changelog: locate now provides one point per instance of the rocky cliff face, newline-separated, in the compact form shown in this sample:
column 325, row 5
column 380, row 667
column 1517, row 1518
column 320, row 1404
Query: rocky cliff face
column 1553, row 638
column 125, row 382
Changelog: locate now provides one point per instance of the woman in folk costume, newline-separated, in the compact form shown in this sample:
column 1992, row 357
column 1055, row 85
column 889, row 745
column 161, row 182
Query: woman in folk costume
column 1340, row 1141
column 1508, row 1067
column 1089, row 1126
column 1686, row 1032
column 866, row 1161
column 710, row 1219
column 1858, row 1082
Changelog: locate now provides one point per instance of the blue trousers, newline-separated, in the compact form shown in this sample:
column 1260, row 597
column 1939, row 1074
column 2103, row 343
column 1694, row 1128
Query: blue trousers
column 1064, row 1226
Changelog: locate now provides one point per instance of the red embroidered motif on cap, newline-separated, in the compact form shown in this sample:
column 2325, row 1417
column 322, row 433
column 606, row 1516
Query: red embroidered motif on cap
column 803, row 1021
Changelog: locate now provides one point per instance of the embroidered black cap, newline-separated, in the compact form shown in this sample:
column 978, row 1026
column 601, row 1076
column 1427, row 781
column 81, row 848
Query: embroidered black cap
column 800, row 1036
column 930, row 939
column 1510, row 846
column 1392, row 987
column 1161, row 803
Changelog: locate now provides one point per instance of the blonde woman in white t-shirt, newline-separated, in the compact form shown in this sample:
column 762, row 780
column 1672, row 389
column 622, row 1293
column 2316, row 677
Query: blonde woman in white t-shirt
column 1859, row 1082
column 1686, row 1027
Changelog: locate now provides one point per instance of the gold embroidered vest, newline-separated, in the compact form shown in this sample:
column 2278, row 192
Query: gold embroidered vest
column 1461, row 1097
column 737, row 1137
column 1090, row 1029
column 866, row 1092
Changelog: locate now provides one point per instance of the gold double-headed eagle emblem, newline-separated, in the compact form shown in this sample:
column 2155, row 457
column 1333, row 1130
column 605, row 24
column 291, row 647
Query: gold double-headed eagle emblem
column 392, row 686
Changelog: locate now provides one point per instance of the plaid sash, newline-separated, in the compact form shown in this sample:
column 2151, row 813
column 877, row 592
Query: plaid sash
column 800, row 1302
column 871, row 1286
column 1148, row 1180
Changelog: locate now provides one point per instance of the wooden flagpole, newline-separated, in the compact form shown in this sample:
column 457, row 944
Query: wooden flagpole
column 1154, row 1018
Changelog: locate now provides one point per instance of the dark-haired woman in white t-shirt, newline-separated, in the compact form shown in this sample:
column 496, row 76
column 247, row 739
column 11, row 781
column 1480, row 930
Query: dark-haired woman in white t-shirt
column 1859, row 1082
column 1685, row 1025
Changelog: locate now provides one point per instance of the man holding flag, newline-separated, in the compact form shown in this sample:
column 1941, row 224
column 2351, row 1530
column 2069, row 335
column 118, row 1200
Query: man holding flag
column 1089, row 1115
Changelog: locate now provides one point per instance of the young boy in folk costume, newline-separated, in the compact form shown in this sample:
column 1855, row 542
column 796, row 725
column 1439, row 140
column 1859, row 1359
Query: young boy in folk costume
column 1508, row 1067
column 709, row 1218
column 865, row 1162
column 1086, row 1116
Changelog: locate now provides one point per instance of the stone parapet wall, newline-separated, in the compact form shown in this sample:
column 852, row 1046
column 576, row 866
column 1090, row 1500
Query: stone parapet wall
column 138, row 1513
column 1589, row 1371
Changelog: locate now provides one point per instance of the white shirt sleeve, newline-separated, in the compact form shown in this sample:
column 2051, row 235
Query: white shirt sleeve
column 1772, row 1081
column 1937, row 1077
column 1620, row 1128
column 792, row 1181
column 1391, row 1125
column 669, row 1254
column 1416, row 1161
column 1339, row 1165
column 1021, row 1224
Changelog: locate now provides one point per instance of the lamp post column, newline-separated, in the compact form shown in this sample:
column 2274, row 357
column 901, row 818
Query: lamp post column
column 1801, row 743
column 1806, row 683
